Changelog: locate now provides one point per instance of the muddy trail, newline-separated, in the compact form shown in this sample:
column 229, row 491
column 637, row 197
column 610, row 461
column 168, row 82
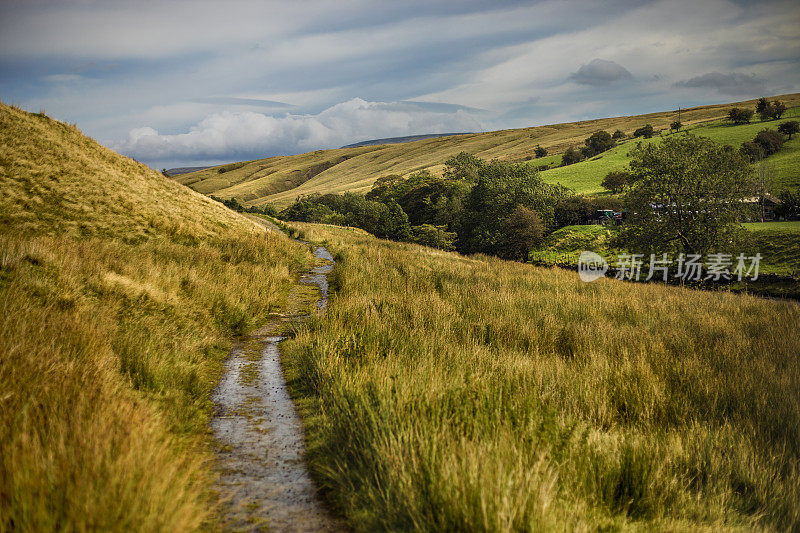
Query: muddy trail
column 264, row 483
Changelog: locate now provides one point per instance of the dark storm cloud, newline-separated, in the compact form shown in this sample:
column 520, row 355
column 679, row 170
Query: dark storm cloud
column 600, row 72
column 734, row 84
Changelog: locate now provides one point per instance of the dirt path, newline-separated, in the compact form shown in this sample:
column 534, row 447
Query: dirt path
column 264, row 481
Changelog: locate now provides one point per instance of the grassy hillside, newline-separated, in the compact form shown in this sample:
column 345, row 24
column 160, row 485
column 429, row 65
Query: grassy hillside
column 586, row 176
column 281, row 179
column 445, row 393
column 119, row 293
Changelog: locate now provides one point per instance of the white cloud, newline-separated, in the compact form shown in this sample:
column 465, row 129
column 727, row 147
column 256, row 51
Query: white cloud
column 229, row 135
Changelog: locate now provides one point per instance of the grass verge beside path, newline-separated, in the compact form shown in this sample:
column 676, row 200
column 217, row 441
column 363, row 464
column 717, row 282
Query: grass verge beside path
column 442, row 392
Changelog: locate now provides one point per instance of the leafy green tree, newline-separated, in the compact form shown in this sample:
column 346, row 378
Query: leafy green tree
column 616, row 181
column 789, row 208
column 778, row 109
column 738, row 115
column 789, row 128
column 598, row 142
column 524, row 229
column 463, row 166
column 571, row 156
column 433, row 236
column 619, row 134
column 645, row 131
column 540, row 152
column 762, row 106
column 676, row 125
column 500, row 189
column 687, row 196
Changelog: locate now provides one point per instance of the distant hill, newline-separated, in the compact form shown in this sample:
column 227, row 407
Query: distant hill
column 279, row 180
column 400, row 140
column 184, row 170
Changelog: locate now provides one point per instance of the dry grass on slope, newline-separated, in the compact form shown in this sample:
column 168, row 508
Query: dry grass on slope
column 119, row 293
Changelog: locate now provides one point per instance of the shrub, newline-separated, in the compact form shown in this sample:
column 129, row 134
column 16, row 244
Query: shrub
column 677, row 125
column 540, row 152
column 227, row 168
column 770, row 140
column 571, row 156
column 619, row 134
column 645, row 131
column 738, row 115
column 752, row 151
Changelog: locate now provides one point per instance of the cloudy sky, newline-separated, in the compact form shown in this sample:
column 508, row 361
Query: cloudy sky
column 191, row 83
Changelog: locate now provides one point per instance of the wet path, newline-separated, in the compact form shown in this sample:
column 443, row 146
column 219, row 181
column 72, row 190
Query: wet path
column 264, row 481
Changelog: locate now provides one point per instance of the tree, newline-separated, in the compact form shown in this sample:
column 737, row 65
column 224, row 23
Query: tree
column 598, row 142
column 764, row 179
column 645, row 131
column 501, row 187
column 770, row 141
column 687, row 196
column 540, row 152
column 677, row 125
column 789, row 128
column 762, row 106
column 616, row 181
column 433, row 236
column 619, row 134
column 571, row 156
column 778, row 108
column 765, row 113
column 524, row 229
column 789, row 208
column 738, row 115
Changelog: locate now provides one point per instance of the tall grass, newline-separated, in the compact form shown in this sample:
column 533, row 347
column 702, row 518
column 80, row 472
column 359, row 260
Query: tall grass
column 450, row 393
column 119, row 294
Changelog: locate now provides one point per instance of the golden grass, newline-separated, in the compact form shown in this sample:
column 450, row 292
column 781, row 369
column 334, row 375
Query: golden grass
column 472, row 394
column 119, row 293
column 280, row 180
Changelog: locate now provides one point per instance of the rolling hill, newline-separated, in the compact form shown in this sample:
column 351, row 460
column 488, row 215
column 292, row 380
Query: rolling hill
column 119, row 292
column 280, row 180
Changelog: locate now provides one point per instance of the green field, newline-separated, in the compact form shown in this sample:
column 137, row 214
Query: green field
column 446, row 393
column 586, row 176
column 279, row 180
column 787, row 227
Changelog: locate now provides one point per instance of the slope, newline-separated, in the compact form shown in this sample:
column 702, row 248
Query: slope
column 452, row 393
column 119, row 290
column 281, row 179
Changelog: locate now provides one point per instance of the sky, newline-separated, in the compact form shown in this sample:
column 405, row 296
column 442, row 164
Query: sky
column 178, row 83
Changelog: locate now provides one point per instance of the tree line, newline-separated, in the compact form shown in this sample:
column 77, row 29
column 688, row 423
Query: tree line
column 684, row 195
